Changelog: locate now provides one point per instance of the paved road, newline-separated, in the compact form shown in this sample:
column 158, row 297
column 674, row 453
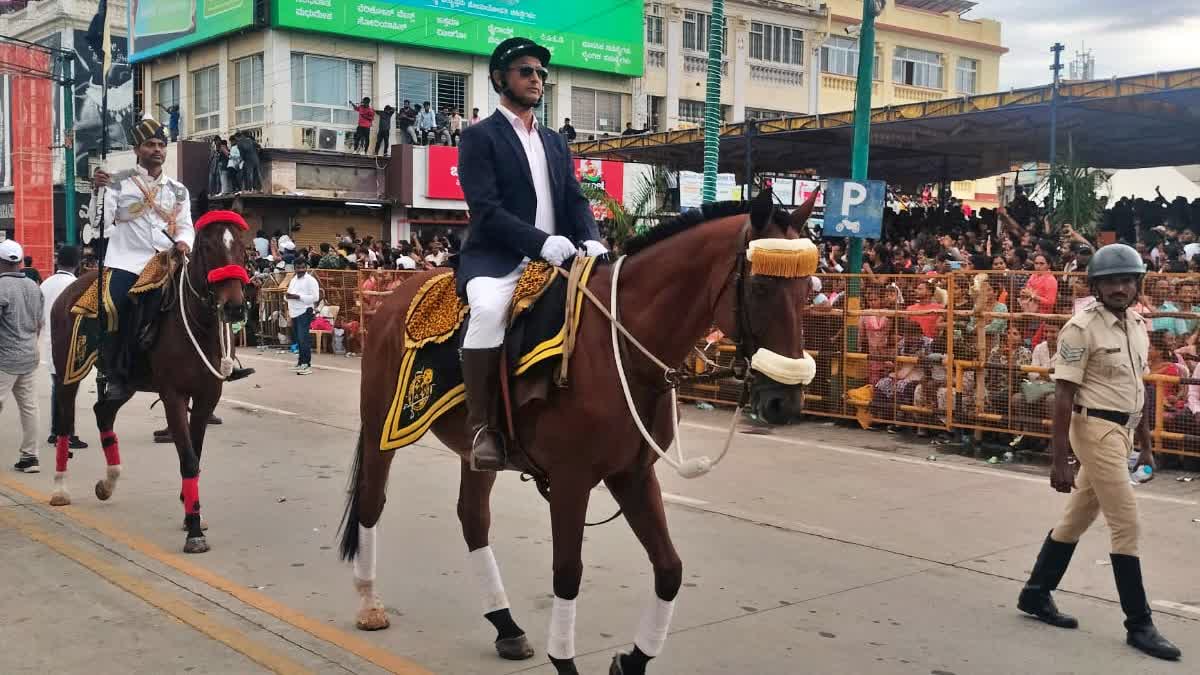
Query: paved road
column 812, row 550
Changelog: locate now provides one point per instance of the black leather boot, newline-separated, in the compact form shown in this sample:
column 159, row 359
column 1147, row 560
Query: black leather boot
column 1051, row 565
column 481, row 375
column 1140, row 631
column 116, row 368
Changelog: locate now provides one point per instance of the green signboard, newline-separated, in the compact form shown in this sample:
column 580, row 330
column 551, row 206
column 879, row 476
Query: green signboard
column 601, row 35
column 160, row 26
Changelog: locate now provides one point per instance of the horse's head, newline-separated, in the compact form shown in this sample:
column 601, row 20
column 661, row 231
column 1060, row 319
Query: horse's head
column 771, row 288
column 220, row 254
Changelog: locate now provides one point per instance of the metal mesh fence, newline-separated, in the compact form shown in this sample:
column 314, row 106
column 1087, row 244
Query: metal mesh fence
column 972, row 352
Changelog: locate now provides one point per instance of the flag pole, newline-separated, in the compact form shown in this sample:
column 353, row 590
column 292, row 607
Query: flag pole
column 101, row 242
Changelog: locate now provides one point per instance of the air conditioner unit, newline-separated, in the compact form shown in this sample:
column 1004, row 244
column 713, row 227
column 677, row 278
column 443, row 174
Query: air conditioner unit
column 327, row 139
column 308, row 137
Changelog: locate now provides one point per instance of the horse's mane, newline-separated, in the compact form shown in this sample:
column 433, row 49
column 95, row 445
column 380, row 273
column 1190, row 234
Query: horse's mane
column 683, row 223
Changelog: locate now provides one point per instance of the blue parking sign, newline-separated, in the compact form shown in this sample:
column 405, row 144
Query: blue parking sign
column 854, row 208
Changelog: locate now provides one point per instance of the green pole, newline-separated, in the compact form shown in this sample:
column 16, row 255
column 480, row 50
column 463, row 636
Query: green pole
column 68, row 94
column 862, row 118
column 712, row 102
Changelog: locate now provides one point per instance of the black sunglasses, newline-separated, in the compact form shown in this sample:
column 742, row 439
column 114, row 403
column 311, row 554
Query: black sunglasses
column 528, row 71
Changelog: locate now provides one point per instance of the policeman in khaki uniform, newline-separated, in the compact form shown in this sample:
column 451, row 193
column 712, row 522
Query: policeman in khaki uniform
column 1099, row 395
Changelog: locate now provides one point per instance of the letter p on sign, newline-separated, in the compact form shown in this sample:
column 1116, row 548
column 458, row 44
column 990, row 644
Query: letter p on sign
column 853, row 194
column 857, row 208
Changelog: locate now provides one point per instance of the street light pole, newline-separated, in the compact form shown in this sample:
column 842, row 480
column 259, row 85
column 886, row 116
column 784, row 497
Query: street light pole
column 862, row 111
column 712, row 102
column 1057, row 50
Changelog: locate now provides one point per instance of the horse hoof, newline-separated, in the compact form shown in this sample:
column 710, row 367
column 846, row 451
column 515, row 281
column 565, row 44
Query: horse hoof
column 60, row 499
column 195, row 545
column 203, row 524
column 372, row 619
column 103, row 492
column 514, row 648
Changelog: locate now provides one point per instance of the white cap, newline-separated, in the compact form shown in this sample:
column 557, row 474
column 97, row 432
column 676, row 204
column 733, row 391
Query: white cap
column 10, row 251
column 815, row 284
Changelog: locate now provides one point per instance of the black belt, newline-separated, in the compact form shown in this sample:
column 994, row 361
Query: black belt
column 1110, row 415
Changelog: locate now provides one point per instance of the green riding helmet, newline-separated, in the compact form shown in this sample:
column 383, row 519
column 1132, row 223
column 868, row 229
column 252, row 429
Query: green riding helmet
column 1115, row 259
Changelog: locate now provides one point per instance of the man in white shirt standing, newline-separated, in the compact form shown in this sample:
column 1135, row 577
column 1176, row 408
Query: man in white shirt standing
column 145, row 212
column 66, row 264
column 303, row 292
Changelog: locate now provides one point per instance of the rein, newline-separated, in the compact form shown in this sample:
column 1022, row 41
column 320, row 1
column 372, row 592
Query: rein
column 224, row 333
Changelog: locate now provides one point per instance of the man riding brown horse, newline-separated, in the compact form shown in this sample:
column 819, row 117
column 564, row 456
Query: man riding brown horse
column 519, row 181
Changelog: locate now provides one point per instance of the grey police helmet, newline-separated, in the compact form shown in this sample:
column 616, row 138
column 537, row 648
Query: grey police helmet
column 1115, row 259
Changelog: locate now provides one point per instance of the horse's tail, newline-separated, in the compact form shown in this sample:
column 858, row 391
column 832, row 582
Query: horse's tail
column 349, row 525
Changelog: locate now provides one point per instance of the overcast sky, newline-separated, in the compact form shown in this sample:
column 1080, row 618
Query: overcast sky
column 1126, row 37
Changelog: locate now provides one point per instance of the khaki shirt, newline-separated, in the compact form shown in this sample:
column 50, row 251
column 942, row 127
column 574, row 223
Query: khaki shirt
column 1106, row 357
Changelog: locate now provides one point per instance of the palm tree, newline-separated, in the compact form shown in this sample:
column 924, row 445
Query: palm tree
column 637, row 215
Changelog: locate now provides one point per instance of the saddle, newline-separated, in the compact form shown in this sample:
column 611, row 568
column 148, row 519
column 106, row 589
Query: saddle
column 150, row 301
column 542, row 320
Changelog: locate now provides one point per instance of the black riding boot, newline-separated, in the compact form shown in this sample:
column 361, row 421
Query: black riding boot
column 1049, row 569
column 1140, row 630
column 481, row 375
column 116, row 368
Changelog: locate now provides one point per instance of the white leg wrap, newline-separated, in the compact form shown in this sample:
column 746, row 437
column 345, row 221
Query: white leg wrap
column 562, row 629
column 364, row 563
column 111, row 474
column 60, row 478
column 653, row 628
column 487, row 572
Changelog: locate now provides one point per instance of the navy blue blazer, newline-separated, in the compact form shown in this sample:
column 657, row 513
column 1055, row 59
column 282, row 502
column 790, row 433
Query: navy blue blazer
column 495, row 178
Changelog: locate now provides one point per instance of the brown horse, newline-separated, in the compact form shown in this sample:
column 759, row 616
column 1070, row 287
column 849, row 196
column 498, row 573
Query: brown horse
column 676, row 283
column 206, row 295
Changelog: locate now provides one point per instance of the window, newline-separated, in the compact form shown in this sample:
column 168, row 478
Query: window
column 966, row 76
column 442, row 90
column 248, row 96
column 917, row 67
column 166, row 94
column 758, row 114
column 322, row 88
column 777, row 44
column 206, row 99
column 654, row 25
column 657, row 104
column 544, row 112
column 695, row 32
column 691, row 111
column 595, row 110
column 839, row 55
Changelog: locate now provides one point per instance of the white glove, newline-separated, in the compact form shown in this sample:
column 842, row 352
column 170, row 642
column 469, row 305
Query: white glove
column 594, row 248
column 557, row 249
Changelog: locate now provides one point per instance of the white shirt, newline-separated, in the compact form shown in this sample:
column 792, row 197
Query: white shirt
column 262, row 246
column 1190, row 250
column 1041, row 358
column 539, row 169
column 52, row 287
column 286, row 243
column 309, row 291
column 405, row 263
column 134, row 228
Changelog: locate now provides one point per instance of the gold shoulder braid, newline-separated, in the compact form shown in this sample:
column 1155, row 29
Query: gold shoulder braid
column 151, row 198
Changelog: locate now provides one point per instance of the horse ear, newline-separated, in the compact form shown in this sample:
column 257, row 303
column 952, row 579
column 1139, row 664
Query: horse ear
column 800, row 216
column 761, row 208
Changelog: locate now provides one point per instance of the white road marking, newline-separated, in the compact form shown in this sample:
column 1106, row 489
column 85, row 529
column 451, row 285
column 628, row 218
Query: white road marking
column 947, row 466
column 1178, row 606
column 257, row 406
column 259, row 357
column 680, row 499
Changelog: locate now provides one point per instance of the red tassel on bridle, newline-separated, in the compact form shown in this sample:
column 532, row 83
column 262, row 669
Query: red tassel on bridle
column 228, row 272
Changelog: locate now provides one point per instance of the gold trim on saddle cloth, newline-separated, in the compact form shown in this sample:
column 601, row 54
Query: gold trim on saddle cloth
column 435, row 313
column 155, row 274
column 79, row 358
column 86, row 305
column 414, row 390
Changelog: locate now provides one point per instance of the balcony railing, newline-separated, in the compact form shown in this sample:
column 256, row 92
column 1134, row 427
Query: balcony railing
column 916, row 94
column 656, row 58
column 699, row 64
column 789, row 77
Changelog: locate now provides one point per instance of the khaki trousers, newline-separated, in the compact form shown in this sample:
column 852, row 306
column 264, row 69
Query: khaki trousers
column 1102, row 484
column 22, row 389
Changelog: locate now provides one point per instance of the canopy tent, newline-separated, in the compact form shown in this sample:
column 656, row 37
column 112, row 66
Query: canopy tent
column 1144, row 183
column 1131, row 122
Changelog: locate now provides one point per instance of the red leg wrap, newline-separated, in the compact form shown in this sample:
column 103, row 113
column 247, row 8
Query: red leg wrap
column 191, row 495
column 112, row 449
column 62, row 452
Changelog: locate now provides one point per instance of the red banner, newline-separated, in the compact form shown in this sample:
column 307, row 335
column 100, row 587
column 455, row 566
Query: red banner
column 606, row 175
column 443, row 173
column 32, row 103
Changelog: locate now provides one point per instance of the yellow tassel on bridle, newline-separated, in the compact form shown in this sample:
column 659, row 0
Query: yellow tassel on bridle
column 786, row 258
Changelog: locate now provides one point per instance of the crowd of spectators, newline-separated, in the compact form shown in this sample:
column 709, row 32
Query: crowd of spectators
column 349, row 251
column 1023, row 278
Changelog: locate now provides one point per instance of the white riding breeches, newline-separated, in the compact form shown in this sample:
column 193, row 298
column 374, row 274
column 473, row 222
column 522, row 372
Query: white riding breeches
column 489, row 298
